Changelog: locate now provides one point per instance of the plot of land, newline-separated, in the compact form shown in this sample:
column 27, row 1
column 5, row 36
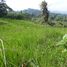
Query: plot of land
column 24, row 41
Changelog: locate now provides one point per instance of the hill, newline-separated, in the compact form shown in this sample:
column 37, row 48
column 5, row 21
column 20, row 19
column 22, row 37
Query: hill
column 37, row 12
column 34, row 12
column 54, row 16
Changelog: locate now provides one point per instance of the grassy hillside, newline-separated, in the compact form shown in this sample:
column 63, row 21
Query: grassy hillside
column 25, row 41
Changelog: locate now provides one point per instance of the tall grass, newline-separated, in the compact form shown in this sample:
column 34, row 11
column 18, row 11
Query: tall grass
column 3, row 52
column 24, row 41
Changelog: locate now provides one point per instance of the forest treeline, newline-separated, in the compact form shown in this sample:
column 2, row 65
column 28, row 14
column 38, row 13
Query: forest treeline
column 39, row 16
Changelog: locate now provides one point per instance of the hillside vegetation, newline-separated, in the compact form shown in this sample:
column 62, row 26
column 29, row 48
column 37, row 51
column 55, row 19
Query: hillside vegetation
column 25, row 42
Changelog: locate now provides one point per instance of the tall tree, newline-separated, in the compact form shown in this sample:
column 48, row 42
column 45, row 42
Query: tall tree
column 4, row 8
column 45, row 11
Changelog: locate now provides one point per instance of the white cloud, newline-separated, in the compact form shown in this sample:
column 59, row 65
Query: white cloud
column 53, row 5
column 23, row 4
column 57, row 5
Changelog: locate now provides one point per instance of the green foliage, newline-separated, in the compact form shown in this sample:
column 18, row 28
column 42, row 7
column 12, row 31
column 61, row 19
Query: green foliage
column 3, row 10
column 24, row 41
column 58, row 17
column 18, row 15
column 63, row 42
column 45, row 11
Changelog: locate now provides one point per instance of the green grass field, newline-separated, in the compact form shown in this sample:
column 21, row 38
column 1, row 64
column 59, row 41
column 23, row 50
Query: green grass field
column 24, row 41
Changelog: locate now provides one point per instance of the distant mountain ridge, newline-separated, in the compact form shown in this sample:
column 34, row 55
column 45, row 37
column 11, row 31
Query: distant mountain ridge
column 34, row 12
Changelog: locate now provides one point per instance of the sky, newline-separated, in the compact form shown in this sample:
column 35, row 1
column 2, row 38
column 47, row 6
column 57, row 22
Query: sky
column 53, row 5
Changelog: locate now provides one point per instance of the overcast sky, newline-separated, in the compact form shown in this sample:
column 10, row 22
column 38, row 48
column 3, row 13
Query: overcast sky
column 53, row 5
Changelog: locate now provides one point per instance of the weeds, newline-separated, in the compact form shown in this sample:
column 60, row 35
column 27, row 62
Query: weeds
column 25, row 40
column 3, row 52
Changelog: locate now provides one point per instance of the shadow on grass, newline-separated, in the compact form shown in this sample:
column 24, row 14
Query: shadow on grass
column 3, row 23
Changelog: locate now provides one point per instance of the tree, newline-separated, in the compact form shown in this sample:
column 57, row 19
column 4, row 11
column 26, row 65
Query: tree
column 45, row 11
column 4, row 8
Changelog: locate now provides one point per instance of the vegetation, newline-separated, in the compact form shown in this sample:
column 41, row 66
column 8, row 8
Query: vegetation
column 32, row 44
column 45, row 11
column 4, row 8
column 26, row 44
column 18, row 15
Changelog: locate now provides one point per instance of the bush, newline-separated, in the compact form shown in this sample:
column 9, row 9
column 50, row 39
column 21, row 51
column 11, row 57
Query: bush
column 18, row 15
